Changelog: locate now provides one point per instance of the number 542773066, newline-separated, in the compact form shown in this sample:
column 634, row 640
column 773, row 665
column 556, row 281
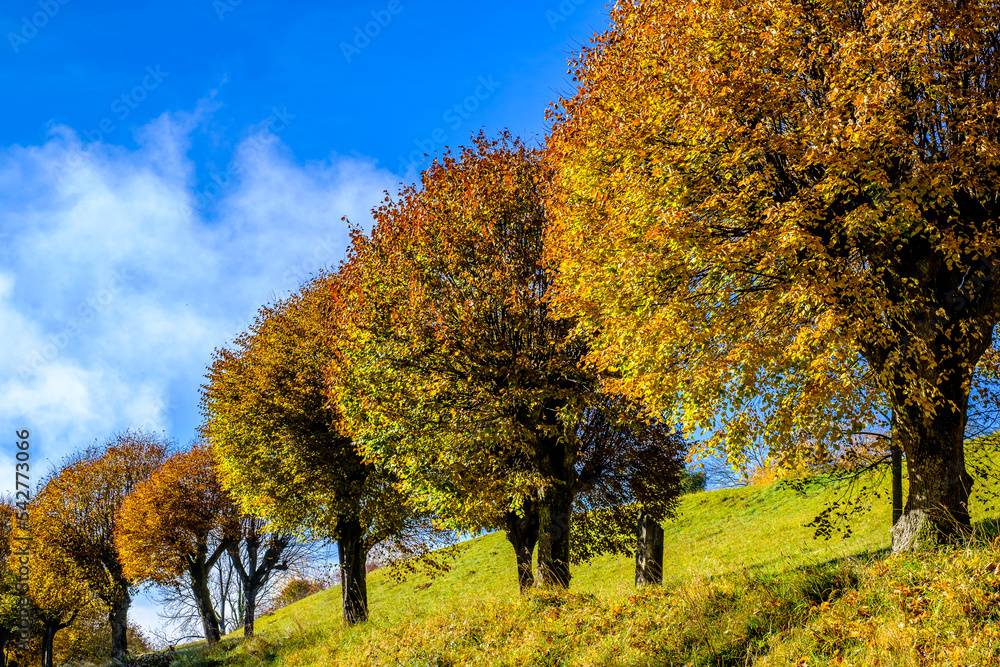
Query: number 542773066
column 22, row 470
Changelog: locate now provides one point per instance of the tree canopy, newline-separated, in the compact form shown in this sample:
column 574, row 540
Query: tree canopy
column 629, row 465
column 797, row 207
column 280, row 447
column 452, row 362
column 176, row 525
column 77, row 514
column 58, row 592
column 452, row 367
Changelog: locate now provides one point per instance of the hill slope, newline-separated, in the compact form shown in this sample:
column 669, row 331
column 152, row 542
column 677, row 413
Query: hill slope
column 744, row 579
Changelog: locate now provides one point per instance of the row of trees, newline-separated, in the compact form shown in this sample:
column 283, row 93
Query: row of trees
column 774, row 224
column 425, row 387
column 130, row 513
column 797, row 210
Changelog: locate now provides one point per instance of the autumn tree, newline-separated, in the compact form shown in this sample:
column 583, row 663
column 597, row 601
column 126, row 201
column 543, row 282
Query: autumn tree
column 77, row 514
column 281, row 450
column 176, row 525
column 256, row 557
column 57, row 591
column 10, row 593
column 453, row 350
column 770, row 217
column 629, row 480
column 58, row 595
column 452, row 366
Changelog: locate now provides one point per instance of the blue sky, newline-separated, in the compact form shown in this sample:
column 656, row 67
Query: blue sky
column 251, row 56
column 168, row 167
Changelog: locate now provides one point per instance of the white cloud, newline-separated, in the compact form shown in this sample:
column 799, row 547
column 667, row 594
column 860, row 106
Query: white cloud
column 115, row 287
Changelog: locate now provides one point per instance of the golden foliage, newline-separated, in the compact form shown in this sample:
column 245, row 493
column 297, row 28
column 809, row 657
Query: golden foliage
column 778, row 220
column 76, row 513
column 451, row 364
column 279, row 445
column 168, row 522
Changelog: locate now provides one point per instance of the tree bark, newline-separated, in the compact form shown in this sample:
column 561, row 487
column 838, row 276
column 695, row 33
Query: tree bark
column 353, row 557
column 48, row 640
column 203, row 598
column 555, row 510
column 249, row 611
column 936, row 510
column 897, row 484
column 522, row 533
column 896, row 454
column 118, row 620
column 648, row 551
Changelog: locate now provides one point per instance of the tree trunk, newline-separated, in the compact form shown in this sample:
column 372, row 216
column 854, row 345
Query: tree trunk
column 555, row 511
column 256, row 572
column 897, row 484
column 203, row 598
column 522, row 533
column 48, row 640
column 648, row 551
column 251, row 579
column 936, row 510
column 5, row 638
column 353, row 575
column 118, row 620
column 223, row 598
column 896, row 454
column 249, row 611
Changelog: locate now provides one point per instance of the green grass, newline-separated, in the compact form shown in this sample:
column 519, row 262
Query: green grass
column 715, row 533
column 745, row 582
column 753, row 532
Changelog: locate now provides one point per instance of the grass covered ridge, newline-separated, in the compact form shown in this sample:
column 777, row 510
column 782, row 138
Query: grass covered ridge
column 745, row 583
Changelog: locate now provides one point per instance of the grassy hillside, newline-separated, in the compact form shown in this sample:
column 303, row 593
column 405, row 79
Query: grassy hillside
column 752, row 532
column 745, row 583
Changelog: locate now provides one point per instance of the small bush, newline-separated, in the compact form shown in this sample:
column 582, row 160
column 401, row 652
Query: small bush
column 693, row 481
column 163, row 659
column 298, row 589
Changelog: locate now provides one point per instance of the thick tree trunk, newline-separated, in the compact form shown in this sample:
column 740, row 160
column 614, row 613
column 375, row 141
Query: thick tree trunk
column 118, row 620
column 522, row 533
column 555, row 510
column 203, row 598
column 936, row 509
column 353, row 573
column 648, row 551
